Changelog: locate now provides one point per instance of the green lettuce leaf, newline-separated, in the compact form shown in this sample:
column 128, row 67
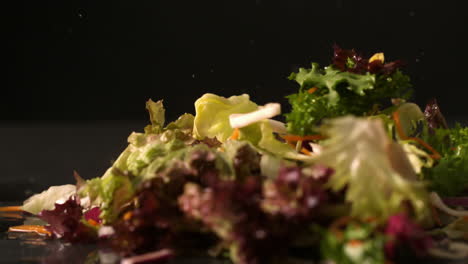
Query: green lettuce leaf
column 109, row 192
column 212, row 115
column 212, row 120
column 330, row 78
column 157, row 118
column 46, row 200
column 360, row 152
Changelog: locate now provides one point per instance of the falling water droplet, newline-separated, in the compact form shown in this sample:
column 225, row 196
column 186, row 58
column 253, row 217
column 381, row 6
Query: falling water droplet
column 81, row 13
column 193, row 76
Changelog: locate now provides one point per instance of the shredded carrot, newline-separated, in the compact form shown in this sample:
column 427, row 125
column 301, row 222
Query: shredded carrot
column 10, row 209
column 465, row 218
column 11, row 215
column 355, row 242
column 92, row 222
column 435, row 215
column 370, row 219
column 302, row 138
column 435, row 154
column 399, row 128
column 312, row 90
column 38, row 229
column 401, row 134
column 306, row 151
column 235, row 134
column 127, row 215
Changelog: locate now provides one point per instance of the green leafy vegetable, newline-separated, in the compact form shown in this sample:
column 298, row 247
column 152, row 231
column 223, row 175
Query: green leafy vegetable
column 449, row 176
column 359, row 151
column 339, row 93
column 47, row 199
column 357, row 244
column 157, row 118
column 212, row 118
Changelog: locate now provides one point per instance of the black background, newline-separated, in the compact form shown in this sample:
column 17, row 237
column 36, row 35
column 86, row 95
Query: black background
column 101, row 60
column 78, row 72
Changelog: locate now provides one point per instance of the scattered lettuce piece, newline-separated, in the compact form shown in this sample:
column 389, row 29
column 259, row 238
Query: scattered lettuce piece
column 47, row 199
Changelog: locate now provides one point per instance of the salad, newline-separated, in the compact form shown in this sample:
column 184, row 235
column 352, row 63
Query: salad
column 357, row 173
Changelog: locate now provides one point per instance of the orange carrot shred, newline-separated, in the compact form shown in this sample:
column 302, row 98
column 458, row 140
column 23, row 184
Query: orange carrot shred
column 10, row 209
column 399, row 128
column 92, row 222
column 312, row 90
column 11, row 215
column 38, row 229
column 235, row 134
column 355, row 242
column 401, row 134
column 306, row 151
column 127, row 215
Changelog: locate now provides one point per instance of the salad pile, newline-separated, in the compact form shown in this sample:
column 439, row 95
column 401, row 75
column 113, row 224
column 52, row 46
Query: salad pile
column 356, row 174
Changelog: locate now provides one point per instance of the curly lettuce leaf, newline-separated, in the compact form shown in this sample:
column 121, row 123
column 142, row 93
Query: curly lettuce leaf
column 360, row 152
column 339, row 93
column 66, row 221
column 330, row 78
column 449, row 176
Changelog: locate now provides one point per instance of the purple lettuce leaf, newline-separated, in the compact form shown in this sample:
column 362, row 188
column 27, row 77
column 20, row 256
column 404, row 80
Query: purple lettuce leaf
column 66, row 221
column 403, row 235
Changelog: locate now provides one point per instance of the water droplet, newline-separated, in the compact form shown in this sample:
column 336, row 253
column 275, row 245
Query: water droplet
column 417, row 60
column 258, row 2
column 193, row 76
column 211, row 70
column 81, row 13
column 412, row 13
column 252, row 42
